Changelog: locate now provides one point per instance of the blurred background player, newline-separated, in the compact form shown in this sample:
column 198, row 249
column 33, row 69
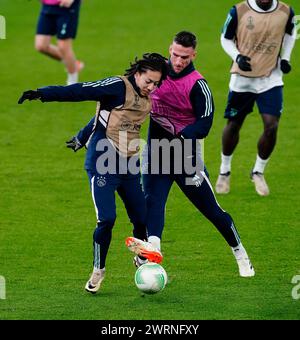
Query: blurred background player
column 123, row 104
column 259, row 36
column 60, row 18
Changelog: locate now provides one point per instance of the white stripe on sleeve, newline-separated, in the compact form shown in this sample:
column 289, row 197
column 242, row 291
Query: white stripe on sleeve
column 208, row 98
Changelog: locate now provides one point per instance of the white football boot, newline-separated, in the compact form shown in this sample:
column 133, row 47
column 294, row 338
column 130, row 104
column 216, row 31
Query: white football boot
column 245, row 267
column 223, row 183
column 260, row 183
column 94, row 283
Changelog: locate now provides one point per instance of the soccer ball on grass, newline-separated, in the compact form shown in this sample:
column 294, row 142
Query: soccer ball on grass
column 150, row 278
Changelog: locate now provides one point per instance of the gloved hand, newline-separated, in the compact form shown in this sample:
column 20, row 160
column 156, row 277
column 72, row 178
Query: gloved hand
column 243, row 62
column 74, row 144
column 29, row 95
column 285, row 66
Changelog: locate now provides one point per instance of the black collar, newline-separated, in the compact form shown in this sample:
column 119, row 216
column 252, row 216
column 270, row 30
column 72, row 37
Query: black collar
column 133, row 83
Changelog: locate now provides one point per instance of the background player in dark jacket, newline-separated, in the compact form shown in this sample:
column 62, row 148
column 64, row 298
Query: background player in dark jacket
column 123, row 104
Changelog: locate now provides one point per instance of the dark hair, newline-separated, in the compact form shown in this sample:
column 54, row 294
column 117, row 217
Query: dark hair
column 150, row 61
column 186, row 39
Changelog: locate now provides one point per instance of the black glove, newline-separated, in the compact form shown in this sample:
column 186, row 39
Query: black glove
column 29, row 95
column 243, row 62
column 74, row 144
column 285, row 66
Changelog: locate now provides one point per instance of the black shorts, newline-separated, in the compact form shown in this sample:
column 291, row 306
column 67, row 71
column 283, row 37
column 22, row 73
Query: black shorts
column 63, row 25
column 242, row 103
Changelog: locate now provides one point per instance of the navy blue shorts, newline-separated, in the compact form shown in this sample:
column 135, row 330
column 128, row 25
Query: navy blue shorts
column 63, row 25
column 242, row 103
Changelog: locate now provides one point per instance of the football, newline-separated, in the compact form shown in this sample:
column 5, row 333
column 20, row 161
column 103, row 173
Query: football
column 150, row 278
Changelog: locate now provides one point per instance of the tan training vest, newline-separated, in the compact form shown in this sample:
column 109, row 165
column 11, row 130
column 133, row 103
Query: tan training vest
column 260, row 36
column 124, row 123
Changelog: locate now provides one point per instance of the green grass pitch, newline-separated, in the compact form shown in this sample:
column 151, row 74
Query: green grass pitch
column 46, row 212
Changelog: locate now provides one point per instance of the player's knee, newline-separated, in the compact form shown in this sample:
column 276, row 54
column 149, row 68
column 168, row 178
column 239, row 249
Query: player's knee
column 233, row 127
column 271, row 130
column 107, row 222
column 41, row 46
column 218, row 216
column 103, row 229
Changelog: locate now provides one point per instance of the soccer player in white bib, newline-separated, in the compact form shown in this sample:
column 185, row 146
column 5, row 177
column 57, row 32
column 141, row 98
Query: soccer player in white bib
column 259, row 36
column 112, row 158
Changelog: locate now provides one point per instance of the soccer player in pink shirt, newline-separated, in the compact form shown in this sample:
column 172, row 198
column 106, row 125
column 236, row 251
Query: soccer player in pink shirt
column 182, row 113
